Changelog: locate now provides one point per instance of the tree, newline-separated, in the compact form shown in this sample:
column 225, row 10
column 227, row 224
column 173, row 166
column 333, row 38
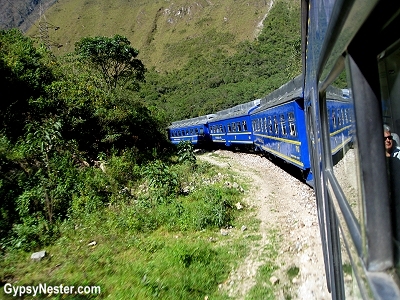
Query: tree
column 24, row 75
column 113, row 57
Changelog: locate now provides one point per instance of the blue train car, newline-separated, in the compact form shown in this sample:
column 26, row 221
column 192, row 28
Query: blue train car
column 194, row 130
column 340, row 113
column 232, row 127
column 279, row 126
column 355, row 45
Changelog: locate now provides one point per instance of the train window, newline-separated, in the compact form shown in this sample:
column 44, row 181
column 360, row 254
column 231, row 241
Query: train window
column 196, row 131
column 239, row 126
column 343, row 146
column 221, row 129
column 201, row 131
column 276, row 126
column 333, row 119
column 283, row 125
column 265, row 125
column 229, row 128
column 270, row 125
column 292, row 128
column 389, row 70
column 342, row 115
column 244, row 126
column 339, row 118
column 233, row 126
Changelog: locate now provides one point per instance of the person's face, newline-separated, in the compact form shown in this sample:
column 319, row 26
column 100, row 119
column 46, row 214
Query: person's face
column 388, row 141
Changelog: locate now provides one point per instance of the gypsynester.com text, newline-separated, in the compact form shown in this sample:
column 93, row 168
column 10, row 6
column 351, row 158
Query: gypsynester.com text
column 44, row 289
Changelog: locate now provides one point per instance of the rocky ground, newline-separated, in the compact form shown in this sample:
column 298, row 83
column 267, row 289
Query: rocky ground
column 284, row 203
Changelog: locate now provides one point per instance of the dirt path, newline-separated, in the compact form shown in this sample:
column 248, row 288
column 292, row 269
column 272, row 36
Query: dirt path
column 284, row 203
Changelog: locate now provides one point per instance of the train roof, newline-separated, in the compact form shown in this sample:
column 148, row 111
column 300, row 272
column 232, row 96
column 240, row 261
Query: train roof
column 334, row 93
column 192, row 122
column 293, row 90
column 237, row 111
column 289, row 91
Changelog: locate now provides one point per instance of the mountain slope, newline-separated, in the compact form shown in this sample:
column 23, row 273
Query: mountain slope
column 166, row 33
column 22, row 14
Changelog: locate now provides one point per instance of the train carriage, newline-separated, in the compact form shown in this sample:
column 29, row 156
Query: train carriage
column 195, row 130
column 340, row 115
column 232, row 127
column 279, row 126
column 355, row 45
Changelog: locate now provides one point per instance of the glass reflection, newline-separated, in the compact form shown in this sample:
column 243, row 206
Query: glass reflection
column 341, row 122
column 389, row 71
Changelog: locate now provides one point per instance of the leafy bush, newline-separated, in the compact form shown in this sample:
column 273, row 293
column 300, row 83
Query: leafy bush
column 162, row 180
column 186, row 152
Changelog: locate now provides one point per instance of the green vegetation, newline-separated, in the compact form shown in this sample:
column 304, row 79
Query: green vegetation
column 213, row 81
column 292, row 272
column 264, row 288
column 86, row 171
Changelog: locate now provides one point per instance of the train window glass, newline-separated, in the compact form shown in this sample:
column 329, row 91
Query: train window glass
column 352, row 291
column 270, row 125
column 292, row 128
column 201, row 131
column 239, row 126
column 339, row 118
column 221, row 129
column 276, row 126
column 233, row 126
column 196, row 131
column 229, row 128
column 265, row 125
column 389, row 70
column 342, row 116
column 283, row 125
column 244, row 126
column 343, row 146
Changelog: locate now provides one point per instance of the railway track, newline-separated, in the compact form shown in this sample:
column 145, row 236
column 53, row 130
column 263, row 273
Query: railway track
column 286, row 204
